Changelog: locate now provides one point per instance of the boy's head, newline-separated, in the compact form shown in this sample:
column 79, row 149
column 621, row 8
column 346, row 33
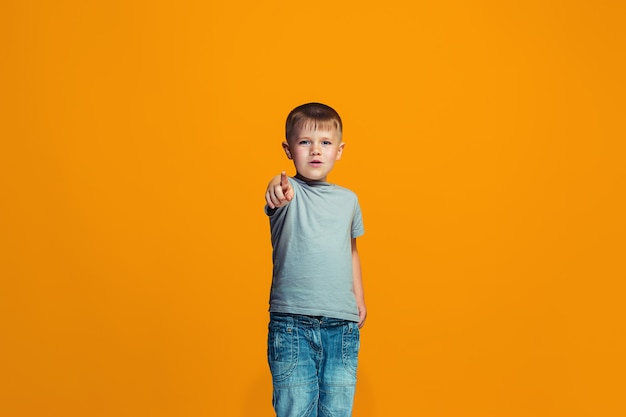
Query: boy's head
column 313, row 133
column 312, row 116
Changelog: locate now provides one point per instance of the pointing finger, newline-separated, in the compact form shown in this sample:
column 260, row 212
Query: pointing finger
column 286, row 187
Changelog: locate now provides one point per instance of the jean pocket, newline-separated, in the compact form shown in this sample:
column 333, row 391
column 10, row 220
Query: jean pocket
column 350, row 347
column 282, row 349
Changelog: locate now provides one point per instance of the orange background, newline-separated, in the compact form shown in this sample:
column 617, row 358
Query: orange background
column 485, row 140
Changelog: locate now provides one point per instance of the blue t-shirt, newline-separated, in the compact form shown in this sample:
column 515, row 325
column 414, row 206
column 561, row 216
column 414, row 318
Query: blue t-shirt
column 311, row 238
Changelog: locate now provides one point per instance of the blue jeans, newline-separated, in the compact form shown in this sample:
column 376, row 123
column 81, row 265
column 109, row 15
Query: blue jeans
column 313, row 361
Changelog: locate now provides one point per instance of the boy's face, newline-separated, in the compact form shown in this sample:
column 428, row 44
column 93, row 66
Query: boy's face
column 314, row 152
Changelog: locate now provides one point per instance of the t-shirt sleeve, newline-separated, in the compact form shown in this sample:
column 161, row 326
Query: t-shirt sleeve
column 270, row 211
column 357, row 221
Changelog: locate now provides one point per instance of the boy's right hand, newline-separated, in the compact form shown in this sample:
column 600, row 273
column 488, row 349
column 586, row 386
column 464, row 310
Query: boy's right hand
column 279, row 191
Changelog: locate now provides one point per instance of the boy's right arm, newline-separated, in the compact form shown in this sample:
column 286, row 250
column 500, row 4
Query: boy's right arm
column 279, row 191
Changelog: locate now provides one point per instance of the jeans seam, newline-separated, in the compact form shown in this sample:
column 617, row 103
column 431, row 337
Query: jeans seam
column 349, row 345
column 294, row 348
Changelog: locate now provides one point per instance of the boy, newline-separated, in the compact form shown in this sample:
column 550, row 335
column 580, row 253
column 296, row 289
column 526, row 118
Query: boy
column 316, row 299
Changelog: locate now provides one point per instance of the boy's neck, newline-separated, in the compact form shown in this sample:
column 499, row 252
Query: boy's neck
column 309, row 181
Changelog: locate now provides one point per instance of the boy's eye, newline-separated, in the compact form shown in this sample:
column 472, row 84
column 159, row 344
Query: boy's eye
column 304, row 142
column 327, row 142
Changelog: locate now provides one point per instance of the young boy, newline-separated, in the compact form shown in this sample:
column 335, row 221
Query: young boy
column 316, row 299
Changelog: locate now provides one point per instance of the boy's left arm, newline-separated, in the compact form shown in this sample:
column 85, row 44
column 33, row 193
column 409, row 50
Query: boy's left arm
column 357, row 284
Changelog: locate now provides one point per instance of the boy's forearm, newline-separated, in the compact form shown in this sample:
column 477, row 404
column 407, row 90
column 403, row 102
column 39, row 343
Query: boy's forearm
column 357, row 284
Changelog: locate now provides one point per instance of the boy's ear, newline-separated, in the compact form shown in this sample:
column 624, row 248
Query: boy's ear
column 340, row 151
column 287, row 150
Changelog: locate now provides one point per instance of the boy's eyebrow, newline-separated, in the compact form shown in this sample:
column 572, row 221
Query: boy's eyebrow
column 325, row 139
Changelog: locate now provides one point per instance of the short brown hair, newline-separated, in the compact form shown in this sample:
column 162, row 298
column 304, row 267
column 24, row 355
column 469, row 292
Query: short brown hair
column 312, row 116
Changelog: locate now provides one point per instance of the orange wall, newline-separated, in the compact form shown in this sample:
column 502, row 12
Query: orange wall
column 485, row 140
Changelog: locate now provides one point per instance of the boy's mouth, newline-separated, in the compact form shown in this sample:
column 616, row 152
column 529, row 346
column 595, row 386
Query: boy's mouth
column 315, row 162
